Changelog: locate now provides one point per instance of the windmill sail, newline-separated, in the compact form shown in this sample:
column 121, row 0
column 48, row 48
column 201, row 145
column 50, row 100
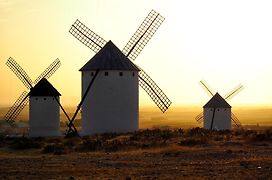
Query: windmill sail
column 16, row 108
column 19, row 72
column 143, row 34
column 153, row 90
column 207, row 88
column 199, row 117
column 235, row 91
column 71, row 128
column 235, row 120
column 87, row 36
column 51, row 69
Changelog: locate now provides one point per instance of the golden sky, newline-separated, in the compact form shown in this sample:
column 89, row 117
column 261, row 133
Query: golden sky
column 223, row 42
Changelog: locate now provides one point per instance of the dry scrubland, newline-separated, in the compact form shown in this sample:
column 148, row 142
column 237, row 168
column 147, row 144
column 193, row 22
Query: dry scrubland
column 147, row 154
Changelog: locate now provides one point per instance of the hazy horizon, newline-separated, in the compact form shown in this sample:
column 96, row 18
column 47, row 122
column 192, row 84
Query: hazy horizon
column 178, row 117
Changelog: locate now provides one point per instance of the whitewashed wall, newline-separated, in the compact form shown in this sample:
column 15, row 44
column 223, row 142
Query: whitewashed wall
column 111, row 104
column 222, row 118
column 44, row 117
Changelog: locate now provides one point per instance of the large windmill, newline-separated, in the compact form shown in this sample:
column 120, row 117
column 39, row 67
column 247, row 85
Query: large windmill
column 121, row 101
column 217, row 112
column 39, row 91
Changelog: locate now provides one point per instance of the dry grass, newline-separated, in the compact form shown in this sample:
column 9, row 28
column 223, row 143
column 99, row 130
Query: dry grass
column 147, row 154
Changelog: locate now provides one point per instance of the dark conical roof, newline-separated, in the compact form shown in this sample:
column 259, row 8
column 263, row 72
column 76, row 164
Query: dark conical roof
column 43, row 88
column 217, row 102
column 109, row 58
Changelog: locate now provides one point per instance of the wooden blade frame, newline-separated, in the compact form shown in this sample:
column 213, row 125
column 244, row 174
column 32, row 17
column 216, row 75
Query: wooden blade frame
column 143, row 34
column 199, row 117
column 235, row 91
column 19, row 72
column 16, row 108
column 205, row 86
column 236, row 120
column 51, row 69
column 153, row 90
column 87, row 36
column 212, row 118
column 71, row 131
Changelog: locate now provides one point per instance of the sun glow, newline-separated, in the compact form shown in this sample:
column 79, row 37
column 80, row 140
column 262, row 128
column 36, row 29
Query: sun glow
column 225, row 43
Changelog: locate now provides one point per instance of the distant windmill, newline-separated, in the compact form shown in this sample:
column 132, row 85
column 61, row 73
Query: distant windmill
column 217, row 112
column 112, row 103
column 44, row 100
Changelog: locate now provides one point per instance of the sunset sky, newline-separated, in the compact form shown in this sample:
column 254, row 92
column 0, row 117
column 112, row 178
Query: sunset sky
column 222, row 42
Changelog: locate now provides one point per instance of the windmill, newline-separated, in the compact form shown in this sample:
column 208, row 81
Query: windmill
column 109, row 66
column 217, row 112
column 32, row 87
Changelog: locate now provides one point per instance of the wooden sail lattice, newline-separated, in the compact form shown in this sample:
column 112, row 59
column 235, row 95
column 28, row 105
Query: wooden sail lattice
column 16, row 108
column 143, row 34
column 153, row 90
column 87, row 36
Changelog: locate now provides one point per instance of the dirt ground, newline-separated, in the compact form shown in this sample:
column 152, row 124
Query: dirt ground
column 228, row 157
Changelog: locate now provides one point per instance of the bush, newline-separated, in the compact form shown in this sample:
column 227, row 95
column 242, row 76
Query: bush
column 154, row 134
column 262, row 136
column 198, row 132
column 112, row 146
column 25, row 143
column 55, row 149
column 90, row 145
column 193, row 141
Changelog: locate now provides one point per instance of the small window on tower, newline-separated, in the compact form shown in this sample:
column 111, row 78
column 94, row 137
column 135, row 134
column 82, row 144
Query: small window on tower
column 44, row 98
column 218, row 110
column 211, row 109
column 53, row 99
column 120, row 73
column 92, row 73
column 106, row 73
column 133, row 74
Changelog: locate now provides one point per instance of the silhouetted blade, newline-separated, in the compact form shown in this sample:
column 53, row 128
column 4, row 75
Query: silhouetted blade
column 19, row 72
column 152, row 89
column 199, row 117
column 143, row 34
column 205, row 86
column 235, row 91
column 16, row 108
column 72, row 131
column 87, row 36
column 235, row 120
column 51, row 69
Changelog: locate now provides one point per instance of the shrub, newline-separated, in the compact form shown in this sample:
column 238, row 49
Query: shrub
column 56, row 149
column 262, row 136
column 25, row 143
column 90, row 145
column 112, row 146
column 193, row 141
column 199, row 132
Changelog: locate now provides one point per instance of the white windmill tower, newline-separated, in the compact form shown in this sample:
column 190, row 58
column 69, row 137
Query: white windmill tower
column 111, row 105
column 217, row 112
column 44, row 101
column 112, row 102
column 44, row 115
